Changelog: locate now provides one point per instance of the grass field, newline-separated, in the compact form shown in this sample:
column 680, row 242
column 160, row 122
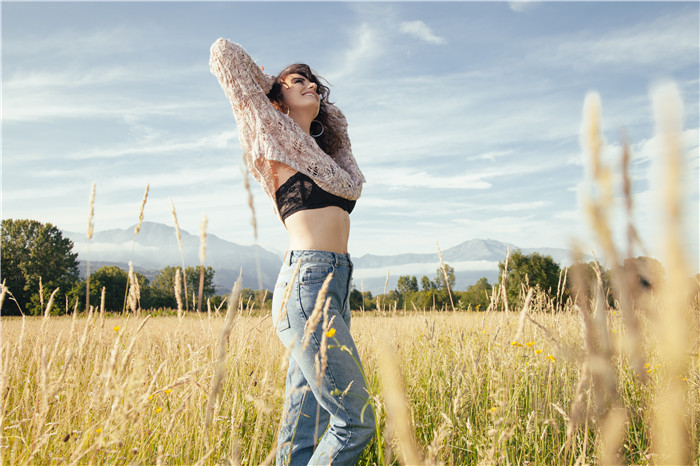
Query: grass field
column 124, row 390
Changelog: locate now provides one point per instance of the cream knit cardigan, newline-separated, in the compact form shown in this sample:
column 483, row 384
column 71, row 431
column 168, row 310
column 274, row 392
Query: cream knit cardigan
column 266, row 134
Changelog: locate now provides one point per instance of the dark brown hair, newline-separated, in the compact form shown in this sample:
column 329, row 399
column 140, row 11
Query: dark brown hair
column 329, row 141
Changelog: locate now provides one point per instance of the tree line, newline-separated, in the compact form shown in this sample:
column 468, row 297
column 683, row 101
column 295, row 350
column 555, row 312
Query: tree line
column 37, row 259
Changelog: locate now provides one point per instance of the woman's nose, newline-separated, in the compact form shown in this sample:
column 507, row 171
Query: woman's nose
column 313, row 86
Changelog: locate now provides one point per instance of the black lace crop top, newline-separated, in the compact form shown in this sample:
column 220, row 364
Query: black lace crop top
column 300, row 192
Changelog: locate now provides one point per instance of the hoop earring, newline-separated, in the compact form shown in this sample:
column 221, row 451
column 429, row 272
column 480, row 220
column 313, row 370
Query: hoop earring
column 322, row 128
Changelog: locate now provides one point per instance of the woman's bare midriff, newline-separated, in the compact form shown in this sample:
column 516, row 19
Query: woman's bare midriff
column 324, row 229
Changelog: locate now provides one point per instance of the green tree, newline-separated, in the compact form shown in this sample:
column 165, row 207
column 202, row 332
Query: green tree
column 533, row 270
column 406, row 284
column 426, row 284
column 359, row 300
column 32, row 250
column 164, row 286
column 478, row 295
column 253, row 299
column 113, row 279
column 440, row 277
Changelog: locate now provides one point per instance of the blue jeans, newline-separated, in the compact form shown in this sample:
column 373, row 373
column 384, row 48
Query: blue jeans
column 321, row 423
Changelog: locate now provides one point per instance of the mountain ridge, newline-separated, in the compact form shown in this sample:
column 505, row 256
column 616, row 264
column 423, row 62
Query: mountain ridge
column 156, row 246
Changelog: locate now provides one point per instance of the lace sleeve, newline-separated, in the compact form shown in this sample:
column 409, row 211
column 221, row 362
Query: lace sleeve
column 267, row 134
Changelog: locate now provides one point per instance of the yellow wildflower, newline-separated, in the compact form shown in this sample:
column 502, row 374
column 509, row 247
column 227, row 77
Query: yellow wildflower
column 330, row 333
column 169, row 390
column 515, row 343
column 550, row 357
column 530, row 344
column 646, row 365
column 150, row 397
column 98, row 430
column 116, row 328
column 539, row 351
column 494, row 409
column 159, row 409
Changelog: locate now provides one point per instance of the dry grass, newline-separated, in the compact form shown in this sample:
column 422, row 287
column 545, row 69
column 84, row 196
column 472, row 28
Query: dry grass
column 127, row 389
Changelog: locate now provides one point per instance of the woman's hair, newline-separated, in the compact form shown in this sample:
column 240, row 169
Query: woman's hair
column 329, row 141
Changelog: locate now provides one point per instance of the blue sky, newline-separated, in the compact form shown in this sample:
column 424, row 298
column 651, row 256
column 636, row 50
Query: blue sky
column 465, row 117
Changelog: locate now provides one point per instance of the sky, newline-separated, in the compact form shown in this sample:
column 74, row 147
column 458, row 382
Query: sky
column 465, row 117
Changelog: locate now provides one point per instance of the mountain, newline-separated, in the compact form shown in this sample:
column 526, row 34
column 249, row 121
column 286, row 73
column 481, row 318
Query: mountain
column 156, row 247
column 471, row 260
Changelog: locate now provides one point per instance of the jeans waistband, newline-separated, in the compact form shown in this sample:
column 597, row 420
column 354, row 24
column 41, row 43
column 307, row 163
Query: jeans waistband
column 310, row 255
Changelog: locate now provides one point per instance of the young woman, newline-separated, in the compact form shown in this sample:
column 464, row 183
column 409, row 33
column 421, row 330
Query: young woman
column 296, row 146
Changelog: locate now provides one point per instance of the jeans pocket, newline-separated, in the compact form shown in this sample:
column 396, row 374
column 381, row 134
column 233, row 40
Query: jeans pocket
column 314, row 273
column 280, row 317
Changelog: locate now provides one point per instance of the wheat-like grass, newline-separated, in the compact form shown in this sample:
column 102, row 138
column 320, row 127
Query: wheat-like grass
column 202, row 257
column 178, row 293
column 137, row 228
column 444, row 272
column 316, row 314
column 182, row 254
column 674, row 330
column 91, row 214
column 322, row 356
column 233, row 301
column 504, row 276
column 134, row 290
column 251, row 204
column 397, row 413
column 90, row 229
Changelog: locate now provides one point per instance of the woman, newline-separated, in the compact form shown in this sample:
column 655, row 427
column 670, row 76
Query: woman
column 296, row 146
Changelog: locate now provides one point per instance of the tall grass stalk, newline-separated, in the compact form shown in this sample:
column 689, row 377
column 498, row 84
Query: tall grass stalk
column 90, row 229
column 202, row 257
column 444, row 272
column 671, row 440
column 137, row 229
column 182, row 254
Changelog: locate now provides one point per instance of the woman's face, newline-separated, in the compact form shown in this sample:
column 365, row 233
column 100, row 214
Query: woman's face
column 299, row 95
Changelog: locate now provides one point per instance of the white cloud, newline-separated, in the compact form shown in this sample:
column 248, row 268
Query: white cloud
column 669, row 40
column 222, row 140
column 422, row 31
column 78, row 42
column 422, row 179
column 520, row 206
column 521, row 5
column 364, row 47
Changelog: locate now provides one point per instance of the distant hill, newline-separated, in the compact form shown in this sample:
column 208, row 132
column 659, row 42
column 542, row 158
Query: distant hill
column 471, row 260
column 156, row 247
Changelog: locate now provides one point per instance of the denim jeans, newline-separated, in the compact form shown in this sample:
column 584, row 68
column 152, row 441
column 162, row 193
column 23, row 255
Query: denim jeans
column 321, row 423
